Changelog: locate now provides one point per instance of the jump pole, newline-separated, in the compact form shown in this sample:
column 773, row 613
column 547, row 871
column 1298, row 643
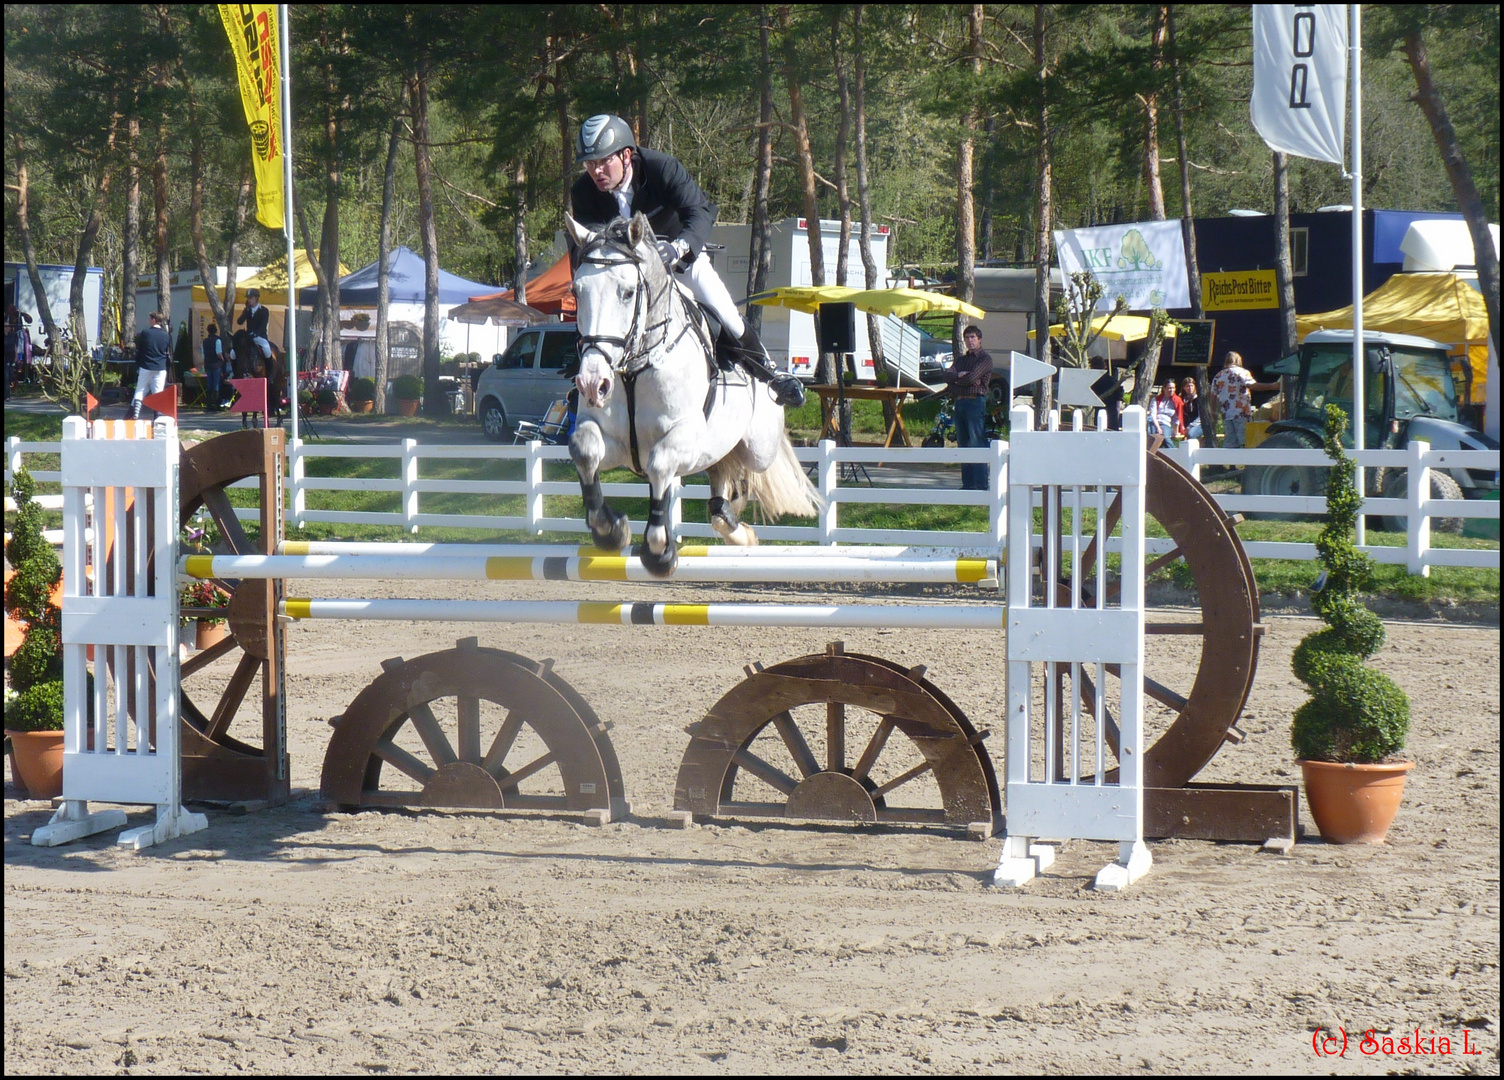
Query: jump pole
column 971, row 571
column 686, row 551
column 861, row 616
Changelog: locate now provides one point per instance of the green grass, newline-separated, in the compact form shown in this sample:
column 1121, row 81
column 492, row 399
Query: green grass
column 1288, row 577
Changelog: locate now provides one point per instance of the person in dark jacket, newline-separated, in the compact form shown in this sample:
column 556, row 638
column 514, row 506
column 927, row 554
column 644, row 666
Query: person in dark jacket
column 622, row 179
column 968, row 380
column 153, row 354
column 213, row 349
column 256, row 320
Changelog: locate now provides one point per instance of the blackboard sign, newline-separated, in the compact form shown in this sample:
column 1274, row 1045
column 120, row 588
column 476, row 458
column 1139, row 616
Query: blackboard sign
column 1194, row 344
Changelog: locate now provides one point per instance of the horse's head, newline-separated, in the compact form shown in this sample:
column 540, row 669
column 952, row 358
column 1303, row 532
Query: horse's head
column 620, row 286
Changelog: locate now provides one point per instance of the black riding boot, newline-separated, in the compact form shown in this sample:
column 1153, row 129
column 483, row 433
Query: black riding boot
column 788, row 391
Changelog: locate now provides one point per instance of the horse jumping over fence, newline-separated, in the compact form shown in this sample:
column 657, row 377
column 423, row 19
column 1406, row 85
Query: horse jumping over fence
column 676, row 413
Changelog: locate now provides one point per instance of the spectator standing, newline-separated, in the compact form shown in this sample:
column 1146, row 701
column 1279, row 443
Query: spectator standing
column 153, row 354
column 1190, row 409
column 213, row 350
column 967, row 380
column 1232, row 389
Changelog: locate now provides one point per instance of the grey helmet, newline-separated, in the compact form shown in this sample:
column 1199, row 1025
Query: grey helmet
column 601, row 136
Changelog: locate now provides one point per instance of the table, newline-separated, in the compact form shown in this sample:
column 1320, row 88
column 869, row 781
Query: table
column 892, row 398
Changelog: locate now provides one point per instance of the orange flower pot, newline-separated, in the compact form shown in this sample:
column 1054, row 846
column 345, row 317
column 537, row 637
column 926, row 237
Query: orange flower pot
column 1354, row 804
column 206, row 633
column 407, row 408
column 362, row 406
column 39, row 760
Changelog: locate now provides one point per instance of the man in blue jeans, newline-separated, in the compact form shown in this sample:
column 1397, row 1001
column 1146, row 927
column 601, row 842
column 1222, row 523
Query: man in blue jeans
column 967, row 380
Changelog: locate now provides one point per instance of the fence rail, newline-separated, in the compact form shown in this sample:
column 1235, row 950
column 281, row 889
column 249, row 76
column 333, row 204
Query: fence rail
column 909, row 478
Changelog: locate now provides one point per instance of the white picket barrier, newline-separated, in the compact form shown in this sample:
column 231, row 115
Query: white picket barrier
column 120, row 723
column 1071, row 642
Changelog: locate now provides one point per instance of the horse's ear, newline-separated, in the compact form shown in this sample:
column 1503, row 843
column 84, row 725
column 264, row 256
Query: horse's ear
column 578, row 235
column 640, row 229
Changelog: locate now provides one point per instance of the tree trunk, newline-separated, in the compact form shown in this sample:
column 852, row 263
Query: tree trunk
column 826, row 371
column 28, row 247
column 519, row 229
column 1146, row 371
column 1428, row 97
column 81, row 262
column 761, row 251
column 984, row 227
column 1188, row 230
column 566, row 143
column 1284, row 278
column 160, row 195
column 864, row 191
column 1044, row 399
column 433, row 400
column 130, row 254
column 384, row 254
column 1151, row 118
column 843, row 136
column 966, row 220
column 232, row 260
column 329, row 237
column 196, row 217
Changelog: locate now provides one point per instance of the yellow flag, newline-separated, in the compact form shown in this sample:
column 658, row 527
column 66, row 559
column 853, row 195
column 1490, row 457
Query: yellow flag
column 253, row 39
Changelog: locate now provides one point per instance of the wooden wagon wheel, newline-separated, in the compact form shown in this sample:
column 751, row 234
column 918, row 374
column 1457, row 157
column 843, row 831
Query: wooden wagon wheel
column 472, row 727
column 234, row 730
column 1228, row 630
column 735, row 763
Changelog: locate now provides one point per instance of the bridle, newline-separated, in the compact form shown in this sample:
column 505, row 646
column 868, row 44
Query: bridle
column 636, row 348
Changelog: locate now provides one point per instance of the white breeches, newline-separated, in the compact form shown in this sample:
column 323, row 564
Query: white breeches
column 710, row 290
column 147, row 382
column 264, row 345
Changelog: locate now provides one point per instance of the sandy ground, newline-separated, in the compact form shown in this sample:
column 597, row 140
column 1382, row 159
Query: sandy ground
column 299, row 940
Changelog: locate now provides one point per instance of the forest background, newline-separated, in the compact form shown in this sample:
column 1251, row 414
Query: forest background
column 969, row 130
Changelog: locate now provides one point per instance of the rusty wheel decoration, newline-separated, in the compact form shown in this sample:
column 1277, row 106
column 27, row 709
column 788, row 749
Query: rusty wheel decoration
column 472, row 727
column 234, row 730
column 733, row 766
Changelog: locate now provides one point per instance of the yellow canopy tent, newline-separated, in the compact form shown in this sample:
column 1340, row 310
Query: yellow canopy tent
column 899, row 302
column 1115, row 328
column 1439, row 306
column 272, row 282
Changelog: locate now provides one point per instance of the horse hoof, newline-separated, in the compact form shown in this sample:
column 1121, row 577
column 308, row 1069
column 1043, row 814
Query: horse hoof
column 659, row 565
column 618, row 534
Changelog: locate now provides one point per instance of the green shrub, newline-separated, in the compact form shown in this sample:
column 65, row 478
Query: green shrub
column 37, row 708
column 37, row 667
column 407, row 388
column 362, row 389
column 327, row 398
column 1355, row 715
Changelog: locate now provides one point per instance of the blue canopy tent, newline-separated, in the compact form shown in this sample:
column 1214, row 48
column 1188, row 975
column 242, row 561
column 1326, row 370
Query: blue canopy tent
column 404, row 284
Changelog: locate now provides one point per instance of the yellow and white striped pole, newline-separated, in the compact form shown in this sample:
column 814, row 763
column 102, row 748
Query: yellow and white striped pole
column 875, row 616
column 964, row 571
column 686, row 551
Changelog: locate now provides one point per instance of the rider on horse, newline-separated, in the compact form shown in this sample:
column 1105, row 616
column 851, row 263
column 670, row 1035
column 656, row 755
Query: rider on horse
column 621, row 179
column 256, row 319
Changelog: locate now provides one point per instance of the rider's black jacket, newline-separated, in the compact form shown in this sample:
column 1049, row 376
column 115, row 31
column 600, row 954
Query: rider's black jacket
column 663, row 190
column 257, row 321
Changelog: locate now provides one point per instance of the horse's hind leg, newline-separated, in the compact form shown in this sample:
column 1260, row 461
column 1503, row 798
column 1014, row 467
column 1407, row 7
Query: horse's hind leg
column 610, row 530
column 725, row 500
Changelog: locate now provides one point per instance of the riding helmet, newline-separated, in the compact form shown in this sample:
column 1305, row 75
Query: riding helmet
column 601, row 136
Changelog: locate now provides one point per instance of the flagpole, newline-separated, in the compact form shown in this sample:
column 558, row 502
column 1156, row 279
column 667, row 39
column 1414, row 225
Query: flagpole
column 1360, row 399
column 292, row 281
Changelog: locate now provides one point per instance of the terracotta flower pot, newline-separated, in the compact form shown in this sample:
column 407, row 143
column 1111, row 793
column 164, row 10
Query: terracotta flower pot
column 207, row 633
column 1354, row 804
column 39, row 759
column 407, row 408
column 362, row 406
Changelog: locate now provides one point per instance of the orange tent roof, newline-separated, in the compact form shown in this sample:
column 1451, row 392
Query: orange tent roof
column 550, row 292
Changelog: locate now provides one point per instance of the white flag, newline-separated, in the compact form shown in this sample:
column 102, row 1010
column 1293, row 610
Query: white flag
column 1299, row 101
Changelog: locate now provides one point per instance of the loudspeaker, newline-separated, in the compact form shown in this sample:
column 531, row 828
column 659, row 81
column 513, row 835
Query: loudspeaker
column 838, row 327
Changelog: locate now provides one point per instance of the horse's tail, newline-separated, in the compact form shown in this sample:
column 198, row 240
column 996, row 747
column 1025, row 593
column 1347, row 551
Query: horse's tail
column 782, row 488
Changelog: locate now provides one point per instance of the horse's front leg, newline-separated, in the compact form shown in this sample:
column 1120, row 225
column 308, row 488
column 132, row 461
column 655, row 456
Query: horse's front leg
column 660, row 551
column 610, row 530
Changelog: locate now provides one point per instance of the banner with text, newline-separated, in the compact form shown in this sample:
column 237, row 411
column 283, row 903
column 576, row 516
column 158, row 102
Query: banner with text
column 1239, row 290
column 1299, row 102
column 252, row 29
column 1143, row 262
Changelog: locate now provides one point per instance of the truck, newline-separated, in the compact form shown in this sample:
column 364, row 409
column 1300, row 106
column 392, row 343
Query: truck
column 58, row 282
column 1411, row 395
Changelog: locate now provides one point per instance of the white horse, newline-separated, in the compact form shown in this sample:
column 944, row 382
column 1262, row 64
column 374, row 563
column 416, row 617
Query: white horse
column 639, row 331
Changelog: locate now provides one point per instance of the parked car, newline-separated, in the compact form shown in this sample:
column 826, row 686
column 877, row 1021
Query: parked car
column 935, row 356
column 521, row 383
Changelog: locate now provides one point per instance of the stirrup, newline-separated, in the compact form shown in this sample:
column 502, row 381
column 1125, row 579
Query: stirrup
column 788, row 391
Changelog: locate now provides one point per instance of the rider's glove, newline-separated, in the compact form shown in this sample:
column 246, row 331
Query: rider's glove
column 672, row 252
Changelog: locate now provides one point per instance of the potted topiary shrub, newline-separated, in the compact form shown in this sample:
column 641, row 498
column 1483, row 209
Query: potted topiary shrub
column 328, row 401
column 407, row 390
column 1349, row 736
column 362, row 395
column 34, row 714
